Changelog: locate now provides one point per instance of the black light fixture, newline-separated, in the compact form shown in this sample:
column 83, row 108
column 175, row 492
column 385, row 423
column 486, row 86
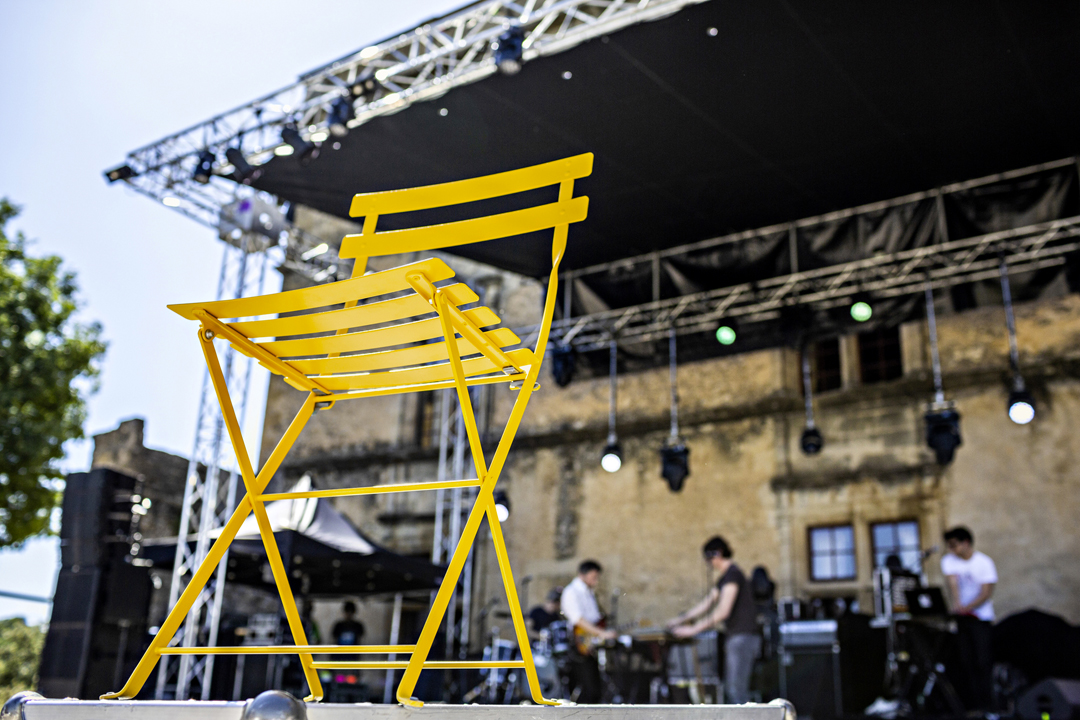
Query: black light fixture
column 563, row 364
column 1021, row 404
column 674, row 456
column 120, row 173
column 204, row 167
column 611, row 459
column 305, row 150
column 337, row 119
column 812, row 440
column 509, row 50
column 242, row 169
column 502, row 505
column 365, row 86
column 942, row 419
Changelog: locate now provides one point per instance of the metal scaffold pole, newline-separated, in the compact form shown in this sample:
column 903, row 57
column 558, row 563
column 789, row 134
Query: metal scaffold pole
column 206, row 503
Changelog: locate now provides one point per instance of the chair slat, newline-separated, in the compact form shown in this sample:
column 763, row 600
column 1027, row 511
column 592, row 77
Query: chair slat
column 361, row 288
column 398, row 308
column 373, row 339
column 403, row 357
column 463, row 191
column 463, row 232
column 423, row 374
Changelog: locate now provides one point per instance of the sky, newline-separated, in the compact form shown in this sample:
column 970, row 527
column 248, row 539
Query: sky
column 82, row 84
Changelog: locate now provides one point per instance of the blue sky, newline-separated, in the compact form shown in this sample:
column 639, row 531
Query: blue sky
column 81, row 84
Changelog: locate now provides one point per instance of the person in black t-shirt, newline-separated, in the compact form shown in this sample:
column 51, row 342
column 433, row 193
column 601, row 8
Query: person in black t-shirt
column 732, row 602
column 348, row 630
column 543, row 615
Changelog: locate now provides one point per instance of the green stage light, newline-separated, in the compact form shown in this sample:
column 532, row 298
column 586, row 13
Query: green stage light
column 861, row 311
column 725, row 335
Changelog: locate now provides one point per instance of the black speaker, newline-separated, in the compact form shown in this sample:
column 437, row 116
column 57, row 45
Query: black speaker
column 1051, row 699
column 96, row 519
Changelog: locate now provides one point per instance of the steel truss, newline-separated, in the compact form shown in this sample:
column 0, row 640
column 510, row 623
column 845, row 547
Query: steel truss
column 378, row 80
column 942, row 264
column 207, row 501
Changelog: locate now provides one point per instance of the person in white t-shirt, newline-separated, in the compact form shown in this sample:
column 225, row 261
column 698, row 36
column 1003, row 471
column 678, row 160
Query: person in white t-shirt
column 578, row 603
column 971, row 577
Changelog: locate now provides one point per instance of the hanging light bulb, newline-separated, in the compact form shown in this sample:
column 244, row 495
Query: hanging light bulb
column 861, row 311
column 811, row 440
column 611, row 459
column 674, row 456
column 725, row 335
column 1021, row 404
column 502, row 505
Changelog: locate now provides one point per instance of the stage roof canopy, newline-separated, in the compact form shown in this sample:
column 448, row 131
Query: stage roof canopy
column 731, row 116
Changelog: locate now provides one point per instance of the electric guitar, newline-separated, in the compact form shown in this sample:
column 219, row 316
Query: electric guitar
column 585, row 643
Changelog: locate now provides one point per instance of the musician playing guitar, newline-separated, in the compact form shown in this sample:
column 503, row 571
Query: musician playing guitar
column 582, row 613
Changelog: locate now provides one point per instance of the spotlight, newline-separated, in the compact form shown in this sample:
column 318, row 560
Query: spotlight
column 612, row 457
column 943, row 432
column 508, row 51
column 675, row 465
column 306, row 151
column 204, row 168
column 563, row 364
column 502, row 505
column 1021, row 403
column 725, row 335
column 242, row 169
column 121, row 173
column 861, row 311
column 811, row 441
column 365, row 86
column 341, row 112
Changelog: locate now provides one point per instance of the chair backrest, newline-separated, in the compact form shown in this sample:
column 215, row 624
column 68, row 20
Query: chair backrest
column 371, row 206
column 391, row 345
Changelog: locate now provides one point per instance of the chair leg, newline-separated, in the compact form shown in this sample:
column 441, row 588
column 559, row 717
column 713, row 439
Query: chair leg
column 273, row 556
column 515, row 605
column 213, row 557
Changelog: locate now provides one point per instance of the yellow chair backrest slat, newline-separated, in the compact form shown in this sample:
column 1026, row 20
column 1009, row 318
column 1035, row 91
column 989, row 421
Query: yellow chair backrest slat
column 402, row 357
column 399, row 308
column 359, row 288
column 387, row 337
column 471, row 190
column 463, row 232
column 419, row 375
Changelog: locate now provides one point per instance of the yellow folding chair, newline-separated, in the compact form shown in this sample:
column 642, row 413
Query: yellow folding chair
column 401, row 354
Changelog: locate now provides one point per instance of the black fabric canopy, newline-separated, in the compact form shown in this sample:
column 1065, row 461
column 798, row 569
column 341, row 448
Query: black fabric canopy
column 793, row 108
column 323, row 554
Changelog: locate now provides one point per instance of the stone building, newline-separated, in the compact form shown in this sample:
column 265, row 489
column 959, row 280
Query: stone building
column 819, row 523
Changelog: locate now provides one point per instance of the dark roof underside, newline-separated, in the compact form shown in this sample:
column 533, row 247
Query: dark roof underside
column 793, row 109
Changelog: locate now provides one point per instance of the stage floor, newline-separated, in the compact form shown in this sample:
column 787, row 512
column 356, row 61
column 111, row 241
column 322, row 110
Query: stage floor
column 160, row 710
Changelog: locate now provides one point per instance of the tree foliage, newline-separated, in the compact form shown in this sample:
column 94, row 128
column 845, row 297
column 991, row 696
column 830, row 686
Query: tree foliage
column 20, row 654
column 44, row 354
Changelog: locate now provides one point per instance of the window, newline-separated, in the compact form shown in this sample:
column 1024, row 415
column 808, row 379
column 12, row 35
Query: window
column 899, row 538
column 879, row 355
column 832, row 553
column 826, row 362
column 426, row 425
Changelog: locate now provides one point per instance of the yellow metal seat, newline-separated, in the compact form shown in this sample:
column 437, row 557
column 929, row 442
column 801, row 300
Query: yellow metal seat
column 406, row 329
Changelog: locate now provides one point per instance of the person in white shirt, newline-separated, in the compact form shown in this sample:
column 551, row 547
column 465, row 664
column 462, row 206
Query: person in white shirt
column 971, row 577
column 583, row 614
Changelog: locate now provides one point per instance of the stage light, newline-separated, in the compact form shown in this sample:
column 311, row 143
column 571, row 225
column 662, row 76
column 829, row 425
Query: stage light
column 365, row 86
column 508, row 51
column 1021, row 405
column 725, row 335
column 341, row 112
column 204, row 167
column 563, row 364
column 319, row 249
column 861, row 311
column 171, row 201
column 675, row 465
column 502, row 505
column 306, row 151
column 811, row 441
column 242, row 169
column 943, row 432
column 121, row 173
column 611, row 460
